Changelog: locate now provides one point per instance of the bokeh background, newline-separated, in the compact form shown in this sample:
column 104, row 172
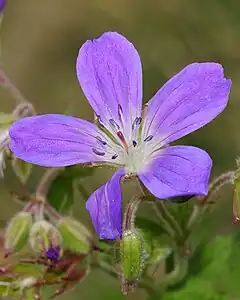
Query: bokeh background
column 40, row 42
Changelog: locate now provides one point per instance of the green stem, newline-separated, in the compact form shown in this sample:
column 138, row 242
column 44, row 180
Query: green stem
column 130, row 214
column 46, row 180
column 6, row 82
column 165, row 225
column 180, row 269
column 169, row 219
column 204, row 202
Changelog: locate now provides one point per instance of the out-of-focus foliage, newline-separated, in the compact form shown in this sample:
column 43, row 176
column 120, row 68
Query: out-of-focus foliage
column 215, row 270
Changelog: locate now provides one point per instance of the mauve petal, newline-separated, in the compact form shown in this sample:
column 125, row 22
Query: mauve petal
column 105, row 208
column 110, row 74
column 188, row 101
column 178, row 171
column 2, row 4
column 55, row 140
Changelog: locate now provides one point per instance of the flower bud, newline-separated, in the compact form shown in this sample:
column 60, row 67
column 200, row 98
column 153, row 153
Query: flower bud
column 132, row 256
column 17, row 231
column 44, row 237
column 75, row 236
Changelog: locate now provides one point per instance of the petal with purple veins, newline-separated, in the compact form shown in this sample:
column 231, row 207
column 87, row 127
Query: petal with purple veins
column 105, row 208
column 110, row 74
column 57, row 140
column 188, row 101
column 177, row 171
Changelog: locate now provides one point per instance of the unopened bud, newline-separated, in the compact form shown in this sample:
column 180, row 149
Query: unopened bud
column 22, row 169
column 132, row 257
column 75, row 235
column 45, row 237
column 17, row 231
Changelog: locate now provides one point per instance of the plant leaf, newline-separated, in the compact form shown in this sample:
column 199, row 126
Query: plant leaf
column 61, row 191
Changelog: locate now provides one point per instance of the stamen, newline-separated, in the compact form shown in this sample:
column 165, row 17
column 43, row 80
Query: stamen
column 149, row 138
column 114, row 124
column 134, row 143
column 101, row 141
column 122, row 139
column 114, row 156
column 136, row 122
column 99, row 120
column 98, row 152
column 120, row 113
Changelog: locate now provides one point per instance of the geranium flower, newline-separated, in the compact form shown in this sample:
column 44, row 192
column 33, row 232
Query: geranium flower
column 110, row 74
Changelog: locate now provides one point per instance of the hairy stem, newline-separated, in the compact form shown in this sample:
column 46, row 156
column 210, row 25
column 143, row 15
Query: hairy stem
column 214, row 188
column 162, row 210
column 130, row 214
column 6, row 82
column 166, row 219
column 179, row 271
column 46, row 181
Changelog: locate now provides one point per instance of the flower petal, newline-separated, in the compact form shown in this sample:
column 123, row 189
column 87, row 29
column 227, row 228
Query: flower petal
column 105, row 208
column 178, row 171
column 110, row 74
column 56, row 140
column 188, row 101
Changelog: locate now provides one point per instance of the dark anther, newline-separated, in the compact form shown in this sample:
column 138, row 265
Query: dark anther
column 134, row 143
column 99, row 121
column 114, row 156
column 149, row 138
column 98, row 152
column 120, row 111
column 101, row 141
column 114, row 124
column 136, row 122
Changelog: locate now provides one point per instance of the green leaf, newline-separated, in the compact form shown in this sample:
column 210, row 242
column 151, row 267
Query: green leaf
column 157, row 245
column 22, row 169
column 197, row 289
column 61, row 192
column 60, row 195
column 29, row 294
column 218, row 274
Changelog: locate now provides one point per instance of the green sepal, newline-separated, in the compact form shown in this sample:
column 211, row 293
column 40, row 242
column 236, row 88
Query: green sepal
column 75, row 235
column 17, row 231
column 22, row 169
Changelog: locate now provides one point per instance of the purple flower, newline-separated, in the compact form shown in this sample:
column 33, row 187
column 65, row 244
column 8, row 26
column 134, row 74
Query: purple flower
column 53, row 253
column 2, row 4
column 110, row 74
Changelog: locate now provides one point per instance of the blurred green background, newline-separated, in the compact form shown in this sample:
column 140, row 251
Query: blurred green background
column 40, row 43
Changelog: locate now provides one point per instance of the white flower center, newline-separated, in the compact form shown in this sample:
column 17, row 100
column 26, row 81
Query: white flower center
column 126, row 145
column 130, row 149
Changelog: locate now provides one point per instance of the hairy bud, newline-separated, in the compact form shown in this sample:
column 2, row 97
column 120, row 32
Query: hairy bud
column 17, row 231
column 45, row 238
column 75, row 236
column 133, row 256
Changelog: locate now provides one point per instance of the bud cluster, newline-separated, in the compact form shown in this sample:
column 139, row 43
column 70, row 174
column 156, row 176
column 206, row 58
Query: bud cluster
column 44, row 238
